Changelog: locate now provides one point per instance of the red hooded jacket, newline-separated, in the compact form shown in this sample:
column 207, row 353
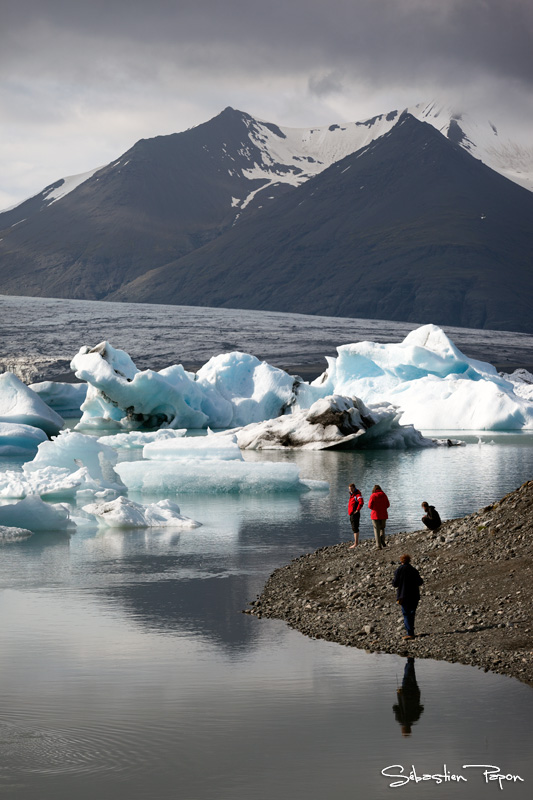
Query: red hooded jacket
column 355, row 503
column 378, row 505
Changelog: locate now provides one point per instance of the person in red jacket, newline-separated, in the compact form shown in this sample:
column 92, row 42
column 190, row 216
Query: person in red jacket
column 355, row 504
column 378, row 505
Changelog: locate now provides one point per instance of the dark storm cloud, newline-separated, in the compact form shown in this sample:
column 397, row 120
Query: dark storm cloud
column 81, row 80
column 379, row 39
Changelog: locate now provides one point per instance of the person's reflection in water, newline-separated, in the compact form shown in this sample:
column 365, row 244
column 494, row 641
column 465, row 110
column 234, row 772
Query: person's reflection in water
column 408, row 709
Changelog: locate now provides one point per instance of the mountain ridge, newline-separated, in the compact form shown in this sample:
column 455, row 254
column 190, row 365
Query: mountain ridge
column 169, row 204
column 428, row 220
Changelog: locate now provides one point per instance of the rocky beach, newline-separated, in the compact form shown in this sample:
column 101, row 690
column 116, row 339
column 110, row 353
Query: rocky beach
column 476, row 604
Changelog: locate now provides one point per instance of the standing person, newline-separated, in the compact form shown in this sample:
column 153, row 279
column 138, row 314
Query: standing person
column 407, row 581
column 378, row 505
column 355, row 504
column 431, row 518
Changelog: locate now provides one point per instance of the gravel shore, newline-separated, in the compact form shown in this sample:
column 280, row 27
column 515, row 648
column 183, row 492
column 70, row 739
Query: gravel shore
column 477, row 600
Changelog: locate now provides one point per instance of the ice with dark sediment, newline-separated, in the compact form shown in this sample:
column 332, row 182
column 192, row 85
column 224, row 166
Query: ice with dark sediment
column 426, row 377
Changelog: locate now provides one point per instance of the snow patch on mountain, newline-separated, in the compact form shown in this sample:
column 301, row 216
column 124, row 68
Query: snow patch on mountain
column 482, row 140
column 293, row 155
column 68, row 185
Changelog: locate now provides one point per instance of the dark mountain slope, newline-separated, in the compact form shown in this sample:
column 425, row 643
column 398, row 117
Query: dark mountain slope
column 410, row 228
column 162, row 199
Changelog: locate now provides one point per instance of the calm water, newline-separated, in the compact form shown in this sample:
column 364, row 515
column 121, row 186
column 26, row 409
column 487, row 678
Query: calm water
column 127, row 669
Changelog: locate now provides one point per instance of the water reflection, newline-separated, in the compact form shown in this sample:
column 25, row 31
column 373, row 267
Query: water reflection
column 127, row 668
column 408, row 709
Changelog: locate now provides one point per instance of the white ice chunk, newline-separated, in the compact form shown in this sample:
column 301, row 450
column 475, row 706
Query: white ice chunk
column 255, row 389
column 124, row 513
column 13, row 534
column 130, row 399
column 72, row 451
column 222, row 447
column 209, row 477
column 65, row 398
column 20, row 440
column 138, row 439
column 18, row 403
column 49, row 482
column 228, row 391
column 429, row 379
column 333, row 423
column 35, row 515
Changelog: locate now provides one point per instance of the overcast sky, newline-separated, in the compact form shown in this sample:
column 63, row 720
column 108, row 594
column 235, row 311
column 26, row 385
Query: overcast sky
column 80, row 82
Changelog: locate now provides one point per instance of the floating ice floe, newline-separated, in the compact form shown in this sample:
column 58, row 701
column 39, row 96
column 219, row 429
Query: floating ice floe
column 8, row 535
column 222, row 447
column 35, row 515
column 70, row 464
column 333, row 423
column 64, row 398
column 228, row 391
column 188, row 475
column 137, row 439
column 429, row 379
column 49, row 482
column 19, row 404
column 20, row 440
column 74, row 451
column 124, row 513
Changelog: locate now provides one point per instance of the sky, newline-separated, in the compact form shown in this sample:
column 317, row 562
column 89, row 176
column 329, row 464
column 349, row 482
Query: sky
column 81, row 82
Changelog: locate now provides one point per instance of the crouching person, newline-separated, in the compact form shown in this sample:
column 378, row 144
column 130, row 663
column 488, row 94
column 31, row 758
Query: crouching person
column 431, row 518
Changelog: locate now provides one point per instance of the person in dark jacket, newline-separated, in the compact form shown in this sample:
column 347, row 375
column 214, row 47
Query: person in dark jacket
column 407, row 581
column 431, row 518
column 378, row 505
column 355, row 504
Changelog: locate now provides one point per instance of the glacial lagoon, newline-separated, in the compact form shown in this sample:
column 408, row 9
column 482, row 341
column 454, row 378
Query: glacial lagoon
column 128, row 670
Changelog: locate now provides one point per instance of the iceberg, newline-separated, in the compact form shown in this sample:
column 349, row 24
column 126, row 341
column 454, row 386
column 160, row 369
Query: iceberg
column 48, row 482
column 124, row 513
column 188, row 475
column 222, row 447
column 122, row 397
column 19, row 404
column 20, row 440
column 426, row 377
column 254, row 389
column 429, row 379
column 333, row 423
column 34, row 515
column 73, row 452
column 13, row 534
column 229, row 391
column 64, row 398
column 71, row 463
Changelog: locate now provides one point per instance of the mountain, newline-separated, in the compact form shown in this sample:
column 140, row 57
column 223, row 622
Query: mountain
column 202, row 217
column 409, row 228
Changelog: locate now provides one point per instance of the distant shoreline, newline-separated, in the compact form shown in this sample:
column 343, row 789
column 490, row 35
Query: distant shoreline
column 477, row 600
